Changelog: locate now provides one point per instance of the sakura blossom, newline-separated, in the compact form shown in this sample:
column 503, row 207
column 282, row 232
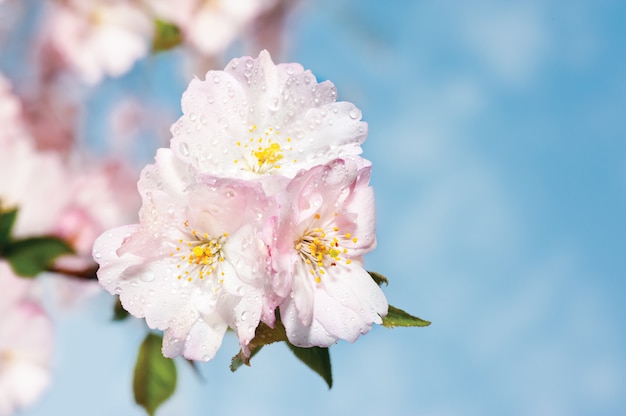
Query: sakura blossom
column 103, row 196
column 37, row 186
column 26, row 338
column 260, row 121
column 100, row 37
column 210, row 26
column 196, row 263
column 327, row 223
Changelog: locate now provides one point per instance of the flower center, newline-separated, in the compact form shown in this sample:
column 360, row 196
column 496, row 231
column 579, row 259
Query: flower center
column 200, row 256
column 263, row 151
column 322, row 247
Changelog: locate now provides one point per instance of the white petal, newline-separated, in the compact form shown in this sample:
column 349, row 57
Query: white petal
column 204, row 339
column 300, row 335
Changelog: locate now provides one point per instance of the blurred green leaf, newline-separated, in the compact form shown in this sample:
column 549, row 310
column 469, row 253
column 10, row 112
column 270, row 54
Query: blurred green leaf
column 317, row 359
column 119, row 313
column 155, row 375
column 166, row 36
column 7, row 219
column 379, row 278
column 398, row 317
column 31, row 256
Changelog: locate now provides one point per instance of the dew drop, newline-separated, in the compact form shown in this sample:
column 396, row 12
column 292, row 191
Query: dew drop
column 192, row 116
column 117, row 290
column 184, row 148
column 147, row 276
column 274, row 104
column 354, row 113
column 244, row 315
column 97, row 254
column 216, row 79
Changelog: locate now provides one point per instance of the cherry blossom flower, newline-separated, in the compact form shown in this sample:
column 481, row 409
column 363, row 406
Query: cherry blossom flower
column 327, row 224
column 103, row 197
column 26, row 337
column 100, row 37
column 196, row 263
column 37, row 186
column 257, row 120
column 210, row 26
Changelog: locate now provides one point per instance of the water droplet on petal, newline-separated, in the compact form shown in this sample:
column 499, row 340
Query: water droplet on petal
column 244, row 315
column 97, row 254
column 147, row 276
column 184, row 148
column 354, row 113
column 216, row 79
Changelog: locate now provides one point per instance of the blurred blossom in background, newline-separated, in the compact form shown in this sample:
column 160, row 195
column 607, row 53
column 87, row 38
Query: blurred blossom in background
column 498, row 142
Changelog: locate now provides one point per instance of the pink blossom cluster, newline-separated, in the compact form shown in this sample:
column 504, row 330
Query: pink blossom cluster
column 260, row 211
column 98, row 38
column 26, row 337
column 55, row 194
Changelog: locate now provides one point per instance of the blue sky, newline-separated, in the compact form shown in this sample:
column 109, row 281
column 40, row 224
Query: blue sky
column 498, row 141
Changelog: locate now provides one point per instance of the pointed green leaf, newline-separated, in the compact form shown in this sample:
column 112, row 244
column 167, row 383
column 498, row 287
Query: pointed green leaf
column 7, row 219
column 31, row 256
column 240, row 359
column 155, row 375
column 398, row 317
column 317, row 359
column 379, row 278
column 166, row 36
column 264, row 335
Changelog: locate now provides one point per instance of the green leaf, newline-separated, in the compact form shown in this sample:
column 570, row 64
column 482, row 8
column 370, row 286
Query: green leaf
column 379, row 278
column 155, row 375
column 31, row 256
column 398, row 317
column 7, row 219
column 264, row 335
column 240, row 359
column 166, row 36
column 119, row 313
column 317, row 359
